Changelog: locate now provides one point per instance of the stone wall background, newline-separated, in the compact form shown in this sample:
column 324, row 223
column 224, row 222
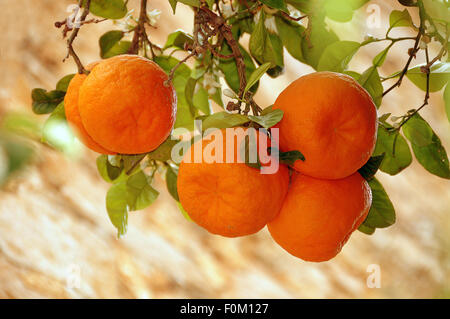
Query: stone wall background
column 53, row 222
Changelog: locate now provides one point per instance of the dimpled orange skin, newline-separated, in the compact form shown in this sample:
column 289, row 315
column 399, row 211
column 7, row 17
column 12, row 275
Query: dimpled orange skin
column 126, row 106
column 332, row 120
column 230, row 199
column 73, row 115
column 318, row 216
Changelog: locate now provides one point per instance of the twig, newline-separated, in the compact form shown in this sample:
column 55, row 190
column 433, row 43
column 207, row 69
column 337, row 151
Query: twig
column 74, row 34
column 286, row 15
column 140, row 36
column 412, row 54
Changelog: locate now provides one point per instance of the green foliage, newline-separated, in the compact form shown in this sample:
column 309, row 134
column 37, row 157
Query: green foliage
column 45, row 102
column 291, row 35
column 229, row 68
column 178, row 39
column 370, row 80
column 276, row 4
column 14, row 155
column 256, row 75
column 265, row 47
column 290, row 157
column 397, row 155
column 439, row 76
column 381, row 213
column 400, row 19
column 447, row 101
column 110, row 44
column 269, row 119
column 171, row 182
column 337, row 56
column 63, row 83
column 222, row 120
column 427, row 146
column 110, row 9
column 369, row 169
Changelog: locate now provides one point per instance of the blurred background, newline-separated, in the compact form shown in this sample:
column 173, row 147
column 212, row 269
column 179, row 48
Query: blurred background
column 56, row 240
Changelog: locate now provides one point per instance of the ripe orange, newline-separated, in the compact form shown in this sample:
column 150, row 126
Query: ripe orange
column 332, row 120
column 124, row 105
column 318, row 216
column 229, row 199
column 73, row 115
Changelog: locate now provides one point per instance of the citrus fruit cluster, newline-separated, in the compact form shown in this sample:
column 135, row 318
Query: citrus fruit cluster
column 124, row 105
column 332, row 120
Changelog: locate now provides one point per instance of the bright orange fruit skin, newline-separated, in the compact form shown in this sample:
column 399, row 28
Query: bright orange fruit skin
column 126, row 106
column 332, row 120
column 230, row 199
column 73, row 115
column 318, row 216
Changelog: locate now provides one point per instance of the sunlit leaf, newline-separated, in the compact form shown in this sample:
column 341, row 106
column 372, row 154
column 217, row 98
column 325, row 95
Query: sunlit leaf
column 45, row 102
column 382, row 212
column 400, row 19
column 110, row 9
column 116, row 206
column 395, row 160
column 431, row 156
column 370, row 80
column 337, row 55
column 63, row 83
column 269, row 119
column 439, row 76
column 110, row 44
column 140, row 193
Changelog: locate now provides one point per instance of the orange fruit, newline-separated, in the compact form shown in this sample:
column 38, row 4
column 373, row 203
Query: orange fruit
column 73, row 115
column 318, row 216
column 124, row 105
column 332, row 120
column 229, row 199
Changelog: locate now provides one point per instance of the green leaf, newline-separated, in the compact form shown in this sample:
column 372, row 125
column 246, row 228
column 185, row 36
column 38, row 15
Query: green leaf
column 185, row 214
column 229, row 68
column 110, row 44
column 63, row 83
column 193, row 3
column 110, row 9
column 369, row 169
column 256, row 75
column 447, row 101
column 337, row 55
column 222, row 120
column 291, row 35
column 382, row 212
column 57, row 133
column 439, row 76
column 400, row 19
column 268, row 120
column 130, row 163
column 45, row 102
column 116, row 205
column 177, row 39
column 276, row 4
column 290, row 157
column 418, row 132
column 163, row 152
column 107, row 171
column 366, row 229
column 265, row 46
column 379, row 59
column 185, row 116
column 201, row 100
column 140, row 194
column 370, row 80
column 171, row 182
column 319, row 39
column 173, row 4
column 432, row 156
column 339, row 10
column 18, row 154
column 395, row 160
column 437, row 10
